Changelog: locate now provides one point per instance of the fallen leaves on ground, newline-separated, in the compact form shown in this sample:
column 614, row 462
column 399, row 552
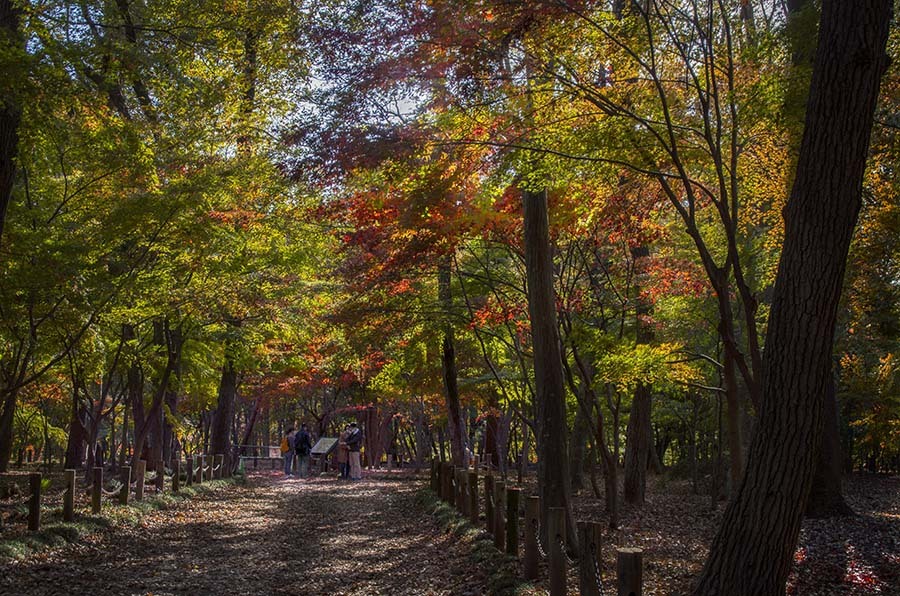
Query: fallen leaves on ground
column 275, row 536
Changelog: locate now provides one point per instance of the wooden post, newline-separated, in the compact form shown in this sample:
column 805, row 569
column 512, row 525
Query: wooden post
column 69, row 496
column 160, row 476
column 473, row 496
column 590, row 536
column 140, row 472
column 272, row 461
column 189, row 470
column 217, row 463
column 125, row 491
column 176, row 474
column 34, row 502
column 512, row 521
column 477, row 463
column 390, row 462
column 489, row 503
column 434, row 476
column 629, row 571
column 446, row 484
column 201, row 459
column 96, row 489
column 499, row 510
column 556, row 535
column 462, row 495
column 532, row 554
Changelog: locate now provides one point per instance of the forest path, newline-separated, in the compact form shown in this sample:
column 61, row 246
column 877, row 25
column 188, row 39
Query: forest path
column 273, row 536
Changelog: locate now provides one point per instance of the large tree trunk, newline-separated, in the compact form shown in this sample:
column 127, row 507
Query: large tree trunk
column 753, row 550
column 553, row 459
column 75, row 443
column 578, row 446
column 10, row 112
column 448, row 368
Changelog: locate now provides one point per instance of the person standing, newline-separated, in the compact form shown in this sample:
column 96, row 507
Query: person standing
column 302, row 446
column 287, row 450
column 343, row 453
column 354, row 443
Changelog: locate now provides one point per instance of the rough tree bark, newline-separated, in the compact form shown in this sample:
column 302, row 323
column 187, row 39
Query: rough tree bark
column 753, row 550
column 553, row 460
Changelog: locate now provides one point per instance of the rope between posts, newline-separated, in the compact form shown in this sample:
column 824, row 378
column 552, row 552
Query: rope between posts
column 15, row 505
column 217, row 468
column 595, row 560
column 206, row 468
column 536, row 528
column 562, row 546
column 112, row 493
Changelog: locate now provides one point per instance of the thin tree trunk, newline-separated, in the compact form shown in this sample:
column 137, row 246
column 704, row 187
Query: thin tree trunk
column 753, row 550
column 448, row 368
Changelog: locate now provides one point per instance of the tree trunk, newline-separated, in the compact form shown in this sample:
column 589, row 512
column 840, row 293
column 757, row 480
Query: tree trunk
column 448, row 368
column 220, row 429
column 637, row 446
column 553, row 460
column 639, row 432
column 577, row 447
column 826, row 498
column 753, row 550
column 10, row 113
column 7, row 416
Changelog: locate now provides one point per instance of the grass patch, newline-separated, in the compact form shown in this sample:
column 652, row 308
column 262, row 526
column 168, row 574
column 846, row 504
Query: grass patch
column 503, row 570
column 55, row 533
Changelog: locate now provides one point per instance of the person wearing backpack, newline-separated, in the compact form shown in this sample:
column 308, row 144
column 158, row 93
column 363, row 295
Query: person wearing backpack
column 354, row 443
column 302, row 446
column 287, row 450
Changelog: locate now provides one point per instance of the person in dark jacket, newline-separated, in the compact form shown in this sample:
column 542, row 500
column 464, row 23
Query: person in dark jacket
column 354, row 444
column 302, row 446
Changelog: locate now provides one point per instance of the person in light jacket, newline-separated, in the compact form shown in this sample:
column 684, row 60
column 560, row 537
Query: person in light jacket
column 343, row 454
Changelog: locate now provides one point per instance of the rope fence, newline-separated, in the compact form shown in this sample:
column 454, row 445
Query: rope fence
column 131, row 481
column 459, row 488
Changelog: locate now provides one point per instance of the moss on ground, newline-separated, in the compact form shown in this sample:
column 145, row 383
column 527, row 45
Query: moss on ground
column 502, row 569
column 55, row 533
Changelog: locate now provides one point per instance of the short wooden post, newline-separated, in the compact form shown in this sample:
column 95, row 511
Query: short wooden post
column 272, row 461
column 125, row 491
column 96, row 491
column 34, row 502
column 140, row 472
column 512, row 521
column 489, row 503
column 432, row 477
column 451, row 498
column 69, row 496
column 629, row 571
column 556, row 535
column 176, row 474
column 532, row 559
column 590, row 535
column 216, row 474
column 476, row 463
column 189, row 470
column 390, row 462
column 462, row 495
column 499, row 510
column 446, row 483
column 473, row 496
column 198, row 478
column 160, row 476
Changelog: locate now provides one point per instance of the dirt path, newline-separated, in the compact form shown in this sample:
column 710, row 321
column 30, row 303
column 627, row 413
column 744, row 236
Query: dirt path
column 272, row 537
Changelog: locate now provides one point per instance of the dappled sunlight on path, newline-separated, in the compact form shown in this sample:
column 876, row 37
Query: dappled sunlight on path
column 275, row 536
